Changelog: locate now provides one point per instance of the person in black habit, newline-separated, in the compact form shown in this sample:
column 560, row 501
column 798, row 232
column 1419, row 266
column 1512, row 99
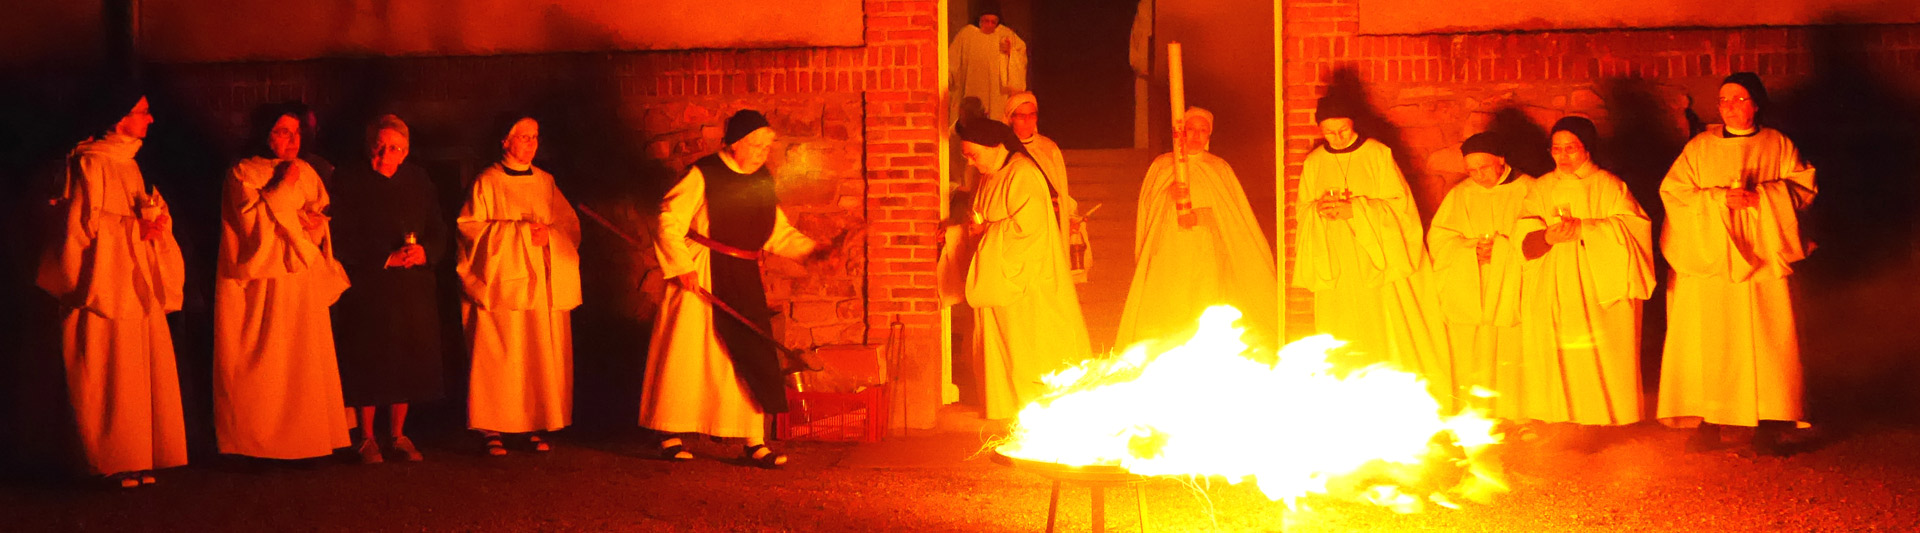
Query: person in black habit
column 389, row 234
column 708, row 372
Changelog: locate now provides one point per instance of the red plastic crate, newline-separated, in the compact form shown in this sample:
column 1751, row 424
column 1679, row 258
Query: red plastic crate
column 834, row 416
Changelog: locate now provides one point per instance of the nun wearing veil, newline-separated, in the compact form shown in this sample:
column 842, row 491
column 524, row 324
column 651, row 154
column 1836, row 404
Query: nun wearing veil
column 1026, row 313
column 708, row 372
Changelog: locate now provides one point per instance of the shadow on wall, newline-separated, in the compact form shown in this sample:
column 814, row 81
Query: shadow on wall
column 1528, row 150
column 1345, row 84
column 1646, row 138
column 1861, row 130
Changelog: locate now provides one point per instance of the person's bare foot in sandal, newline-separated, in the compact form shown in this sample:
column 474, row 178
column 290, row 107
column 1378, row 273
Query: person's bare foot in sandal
column 762, row 456
column 494, row 446
column 673, row 449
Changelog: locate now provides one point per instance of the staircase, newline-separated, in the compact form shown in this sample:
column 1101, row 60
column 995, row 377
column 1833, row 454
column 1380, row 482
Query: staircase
column 1110, row 179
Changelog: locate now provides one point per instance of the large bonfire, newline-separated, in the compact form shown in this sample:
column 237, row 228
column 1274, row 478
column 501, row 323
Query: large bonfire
column 1294, row 425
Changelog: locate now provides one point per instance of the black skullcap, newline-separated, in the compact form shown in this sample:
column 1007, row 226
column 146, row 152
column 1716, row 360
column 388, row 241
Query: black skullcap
column 113, row 101
column 1485, row 142
column 742, row 123
column 1332, row 107
column 989, row 7
column 1751, row 82
column 1581, row 128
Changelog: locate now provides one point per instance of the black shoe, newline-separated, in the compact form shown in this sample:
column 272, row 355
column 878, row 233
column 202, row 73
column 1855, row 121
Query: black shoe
column 1769, row 439
column 1705, row 439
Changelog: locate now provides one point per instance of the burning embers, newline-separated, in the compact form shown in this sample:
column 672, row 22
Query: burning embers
column 1295, row 426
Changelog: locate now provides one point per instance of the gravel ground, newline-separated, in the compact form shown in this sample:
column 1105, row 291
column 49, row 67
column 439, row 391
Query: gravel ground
column 1866, row 481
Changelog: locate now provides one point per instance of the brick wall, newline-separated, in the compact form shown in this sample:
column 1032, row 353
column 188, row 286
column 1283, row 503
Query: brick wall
column 858, row 130
column 1428, row 92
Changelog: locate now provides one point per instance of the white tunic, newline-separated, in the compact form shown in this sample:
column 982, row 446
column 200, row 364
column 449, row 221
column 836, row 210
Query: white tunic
column 978, row 69
column 690, row 383
column 1581, row 321
column 1053, row 163
column 1732, row 350
column 1367, row 273
column 1180, row 272
column 276, row 384
column 519, row 301
column 1480, row 303
column 116, row 290
column 1027, row 314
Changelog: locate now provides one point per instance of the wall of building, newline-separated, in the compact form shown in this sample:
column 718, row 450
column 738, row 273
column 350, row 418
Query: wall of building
column 857, row 153
column 1847, row 94
column 232, row 30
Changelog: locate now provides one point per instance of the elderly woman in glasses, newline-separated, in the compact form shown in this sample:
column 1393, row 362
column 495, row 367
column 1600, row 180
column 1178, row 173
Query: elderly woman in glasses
column 390, row 236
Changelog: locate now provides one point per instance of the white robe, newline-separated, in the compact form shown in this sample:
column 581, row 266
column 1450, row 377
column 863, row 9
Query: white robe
column 116, row 290
column 1480, row 303
column 276, row 384
column 1367, row 273
column 1732, row 350
column 978, row 69
column 519, row 301
column 690, row 383
column 1047, row 155
column 1582, row 300
column 1027, row 318
column 1180, row 272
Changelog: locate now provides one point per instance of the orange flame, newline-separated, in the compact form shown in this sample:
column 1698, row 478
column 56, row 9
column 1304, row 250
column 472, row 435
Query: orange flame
column 1293, row 427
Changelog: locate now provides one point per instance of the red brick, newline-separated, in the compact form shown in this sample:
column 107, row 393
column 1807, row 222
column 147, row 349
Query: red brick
column 888, row 148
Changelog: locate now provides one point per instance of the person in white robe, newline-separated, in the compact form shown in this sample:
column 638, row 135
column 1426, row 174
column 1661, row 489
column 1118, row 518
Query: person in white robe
column 1732, row 233
column 1185, row 265
column 1027, row 319
column 276, row 383
column 986, row 62
column 1362, row 253
column 1475, row 243
column 117, row 273
column 1589, row 249
column 1024, row 117
column 707, row 372
column 520, row 265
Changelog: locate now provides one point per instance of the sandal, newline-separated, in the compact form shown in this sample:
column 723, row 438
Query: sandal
column 677, row 451
column 494, row 447
column 126, row 480
column 404, row 445
column 765, row 457
column 370, row 452
column 146, row 478
column 539, row 445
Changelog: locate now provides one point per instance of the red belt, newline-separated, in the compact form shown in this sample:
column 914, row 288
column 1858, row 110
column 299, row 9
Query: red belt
column 724, row 248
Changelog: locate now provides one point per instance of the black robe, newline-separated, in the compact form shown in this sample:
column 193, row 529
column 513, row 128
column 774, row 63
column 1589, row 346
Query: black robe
column 386, row 327
column 741, row 209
